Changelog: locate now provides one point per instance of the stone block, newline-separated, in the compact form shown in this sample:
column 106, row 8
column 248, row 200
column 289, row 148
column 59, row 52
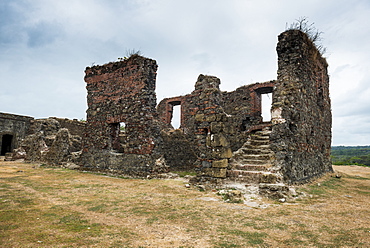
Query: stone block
column 222, row 152
column 229, row 129
column 217, row 127
column 220, row 163
column 199, row 117
column 226, row 153
column 217, row 140
column 210, row 118
column 214, row 172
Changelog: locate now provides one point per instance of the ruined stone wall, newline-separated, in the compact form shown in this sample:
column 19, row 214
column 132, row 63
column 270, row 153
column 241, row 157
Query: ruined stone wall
column 48, row 141
column 301, row 112
column 177, row 150
column 243, row 107
column 128, row 134
column 75, row 127
column 213, row 123
column 13, row 128
column 209, row 128
column 122, row 129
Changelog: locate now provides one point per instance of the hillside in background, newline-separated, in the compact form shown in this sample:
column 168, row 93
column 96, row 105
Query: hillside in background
column 347, row 155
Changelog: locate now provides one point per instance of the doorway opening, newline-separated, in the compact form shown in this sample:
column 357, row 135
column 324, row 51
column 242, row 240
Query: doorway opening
column 173, row 116
column 176, row 116
column 6, row 144
column 266, row 102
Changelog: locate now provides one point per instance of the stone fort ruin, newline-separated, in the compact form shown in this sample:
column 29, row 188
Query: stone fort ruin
column 222, row 135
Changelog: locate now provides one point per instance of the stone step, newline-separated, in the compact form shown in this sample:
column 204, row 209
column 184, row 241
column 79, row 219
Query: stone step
column 259, row 147
column 263, row 132
column 254, row 150
column 252, row 176
column 260, row 137
column 251, row 167
column 245, row 156
column 244, row 176
column 253, row 161
column 254, row 142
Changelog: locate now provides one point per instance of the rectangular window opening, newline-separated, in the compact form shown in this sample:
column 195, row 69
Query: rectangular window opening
column 115, row 143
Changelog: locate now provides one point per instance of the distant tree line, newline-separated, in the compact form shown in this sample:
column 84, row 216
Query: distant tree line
column 350, row 155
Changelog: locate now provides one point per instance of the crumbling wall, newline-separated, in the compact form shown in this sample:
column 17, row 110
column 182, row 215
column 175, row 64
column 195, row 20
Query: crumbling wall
column 122, row 130
column 48, row 141
column 75, row 127
column 214, row 123
column 13, row 128
column 243, row 107
column 177, row 150
column 301, row 112
column 127, row 133
column 210, row 134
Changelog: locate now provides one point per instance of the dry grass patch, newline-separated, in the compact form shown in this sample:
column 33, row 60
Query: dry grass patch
column 53, row 207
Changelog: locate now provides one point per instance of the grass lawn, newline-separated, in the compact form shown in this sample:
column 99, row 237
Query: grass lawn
column 54, row 207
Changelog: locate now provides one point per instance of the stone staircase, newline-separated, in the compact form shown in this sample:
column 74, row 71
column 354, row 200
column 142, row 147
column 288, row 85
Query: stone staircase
column 252, row 164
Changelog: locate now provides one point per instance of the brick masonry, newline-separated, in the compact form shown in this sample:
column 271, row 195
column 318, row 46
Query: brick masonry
column 301, row 109
column 214, row 124
column 126, row 132
column 122, row 126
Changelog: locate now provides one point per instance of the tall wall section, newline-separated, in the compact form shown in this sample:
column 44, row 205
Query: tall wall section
column 121, row 131
column 301, row 112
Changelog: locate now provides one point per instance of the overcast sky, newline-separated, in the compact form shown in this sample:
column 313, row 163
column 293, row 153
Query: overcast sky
column 45, row 46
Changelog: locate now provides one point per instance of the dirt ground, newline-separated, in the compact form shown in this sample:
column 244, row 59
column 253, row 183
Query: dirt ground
column 42, row 206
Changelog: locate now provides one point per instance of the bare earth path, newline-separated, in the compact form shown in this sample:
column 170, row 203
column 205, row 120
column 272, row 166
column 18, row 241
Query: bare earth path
column 54, row 207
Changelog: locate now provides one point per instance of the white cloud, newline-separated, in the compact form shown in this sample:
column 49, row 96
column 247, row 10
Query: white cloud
column 46, row 45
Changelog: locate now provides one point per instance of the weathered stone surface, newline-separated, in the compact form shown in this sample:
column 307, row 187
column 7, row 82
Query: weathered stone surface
column 48, row 127
column 177, row 150
column 220, row 163
column 60, row 150
column 121, row 123
column 274, row 191
column 13, row 128
column 301, row 134
column 213, row 172
column 39, row 145
column 35, row 147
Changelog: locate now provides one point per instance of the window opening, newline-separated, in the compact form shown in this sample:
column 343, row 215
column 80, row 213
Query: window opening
column 266, row 100
column 176, row 117
column 114, row 136
column 6, row 144
column 122, row 127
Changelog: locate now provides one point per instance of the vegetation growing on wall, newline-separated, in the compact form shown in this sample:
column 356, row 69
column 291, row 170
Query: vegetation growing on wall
column 314, row 34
